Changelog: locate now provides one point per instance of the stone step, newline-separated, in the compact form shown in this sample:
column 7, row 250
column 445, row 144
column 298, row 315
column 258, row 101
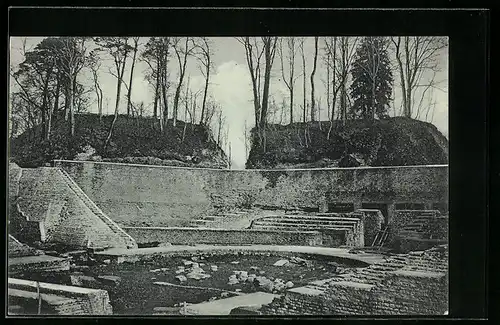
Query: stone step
column 311, row 221
column 213, row 218
column 202, row 221
column 312, row 217
column 130, row 242
column 299, row 224
column 303, row 227
column 48, row 298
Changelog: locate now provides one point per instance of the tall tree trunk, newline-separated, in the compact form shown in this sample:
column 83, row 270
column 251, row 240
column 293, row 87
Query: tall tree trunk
column 157, row 92
column 99, row 99
column 44, row 124
column 165, row 102
column 117, row 102
column 129, row 94
column 267, row 78
column 54, row 108
column 291, row 105
column 205, row 91
column 373, row 100
column 328, row 85
column 304, row 83
column 343, row 101
column 71, row 108
column 181, row 79
column 313, row 101
column 220, row 127
column 66, row 102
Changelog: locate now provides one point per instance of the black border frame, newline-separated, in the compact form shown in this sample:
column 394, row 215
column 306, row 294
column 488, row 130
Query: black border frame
column 468, row 98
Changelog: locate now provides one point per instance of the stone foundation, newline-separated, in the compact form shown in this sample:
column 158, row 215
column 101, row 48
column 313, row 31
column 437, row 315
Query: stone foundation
column 61, row 299
column 190, row 236
column 412, row 284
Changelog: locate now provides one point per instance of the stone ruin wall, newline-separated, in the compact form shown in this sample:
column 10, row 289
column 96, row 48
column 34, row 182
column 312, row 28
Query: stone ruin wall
column 73, row 300
column 47, row 208
column 191, row 236
column 138, row 195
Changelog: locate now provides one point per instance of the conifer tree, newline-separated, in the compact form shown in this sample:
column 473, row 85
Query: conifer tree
column 372, row 79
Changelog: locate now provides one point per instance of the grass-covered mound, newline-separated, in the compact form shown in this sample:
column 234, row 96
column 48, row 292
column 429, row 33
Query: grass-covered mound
column 134, row 140
column 397, row 141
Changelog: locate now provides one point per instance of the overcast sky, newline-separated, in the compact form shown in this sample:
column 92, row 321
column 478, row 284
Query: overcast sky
column 231, row 86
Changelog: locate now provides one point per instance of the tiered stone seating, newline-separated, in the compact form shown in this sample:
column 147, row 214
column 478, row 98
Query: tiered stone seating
column 433, row 260
column 419, row 227
column 208, row 221
column 303, row 222
column 226, row 220
column 348, row 225
column 409, row 284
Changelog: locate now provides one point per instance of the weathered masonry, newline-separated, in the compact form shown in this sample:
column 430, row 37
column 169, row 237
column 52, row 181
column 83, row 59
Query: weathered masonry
column 158, row 196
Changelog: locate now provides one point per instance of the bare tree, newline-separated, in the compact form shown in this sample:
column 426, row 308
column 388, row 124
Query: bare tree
column 157, row 54
column 340, row 51
column 72, row 59
column 326, row 60
column 414, row 56
column 203, row 54
column 304, row 106
column 135, row 41
column 269, row 52
column 253, row 56
column 313, row 100
column 95, row 66
column 119, row 49
column 291, row 46
column 182, row 51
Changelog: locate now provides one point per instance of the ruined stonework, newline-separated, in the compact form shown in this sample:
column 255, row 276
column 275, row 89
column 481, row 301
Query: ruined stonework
column 50, row 201
column 372, row 224
column 412, row 230
column 18, row 249
column 191, row 236
column 337, row 229
column 133, row 194
column 61, row 299
column 406, row 284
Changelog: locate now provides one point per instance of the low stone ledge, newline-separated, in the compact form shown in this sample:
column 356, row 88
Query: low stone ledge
column 306, row 291
column 351, row 284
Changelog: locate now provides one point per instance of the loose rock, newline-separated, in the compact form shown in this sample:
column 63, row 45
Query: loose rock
column 82, row 280
column 281, row 263
column 181, row 278
column 109, row 279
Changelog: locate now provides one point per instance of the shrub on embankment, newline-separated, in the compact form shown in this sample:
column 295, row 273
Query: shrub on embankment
column 397, row 141
column 134, row 140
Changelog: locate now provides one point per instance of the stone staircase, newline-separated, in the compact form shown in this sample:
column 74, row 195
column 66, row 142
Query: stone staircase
column 129, row 241
column 432, row 260
column 419, row 227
